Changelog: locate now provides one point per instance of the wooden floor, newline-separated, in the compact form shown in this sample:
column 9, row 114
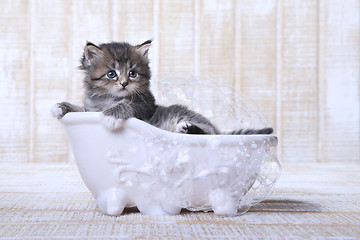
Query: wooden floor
column 50, row 202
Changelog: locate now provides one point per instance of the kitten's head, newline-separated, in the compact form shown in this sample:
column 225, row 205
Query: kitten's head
column 118, row 69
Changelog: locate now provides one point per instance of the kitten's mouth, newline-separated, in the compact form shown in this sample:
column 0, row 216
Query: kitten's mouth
column 121, row 91
column 120, row 87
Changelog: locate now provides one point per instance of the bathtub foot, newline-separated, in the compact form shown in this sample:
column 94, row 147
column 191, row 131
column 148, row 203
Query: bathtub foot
column 223, row 204
column 170, row 208
column 112, row 202
column 148, row 207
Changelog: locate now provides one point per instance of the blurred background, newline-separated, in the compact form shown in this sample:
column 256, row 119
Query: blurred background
column 298, row 59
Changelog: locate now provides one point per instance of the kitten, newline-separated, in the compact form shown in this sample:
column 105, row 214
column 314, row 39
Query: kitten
column 117, row 83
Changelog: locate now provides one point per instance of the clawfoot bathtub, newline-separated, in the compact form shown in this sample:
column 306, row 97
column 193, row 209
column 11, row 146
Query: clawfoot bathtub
column 162, row 172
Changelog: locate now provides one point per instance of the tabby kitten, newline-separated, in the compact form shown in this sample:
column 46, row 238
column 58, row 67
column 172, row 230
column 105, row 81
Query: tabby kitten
column 117, row 83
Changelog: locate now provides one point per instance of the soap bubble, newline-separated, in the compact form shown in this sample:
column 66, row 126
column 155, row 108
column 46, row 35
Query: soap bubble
column 222, row 104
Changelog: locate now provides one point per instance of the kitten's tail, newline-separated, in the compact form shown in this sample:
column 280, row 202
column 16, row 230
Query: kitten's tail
column 251, row 131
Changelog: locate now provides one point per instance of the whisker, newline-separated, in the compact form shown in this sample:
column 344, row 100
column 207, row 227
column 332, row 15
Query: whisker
column 138, row 93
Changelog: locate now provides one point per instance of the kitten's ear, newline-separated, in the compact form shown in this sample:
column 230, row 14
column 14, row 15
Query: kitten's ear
column 92, row 52
column 143, row 48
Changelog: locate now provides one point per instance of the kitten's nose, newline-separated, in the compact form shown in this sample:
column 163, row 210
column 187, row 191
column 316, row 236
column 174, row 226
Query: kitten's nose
column 124, row 83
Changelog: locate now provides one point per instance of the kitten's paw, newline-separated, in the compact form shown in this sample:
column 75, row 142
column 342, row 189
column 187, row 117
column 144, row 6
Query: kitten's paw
column 57, row 111
column 183, row 127
column 111, row 122
column 60, row 109
column 189, row 128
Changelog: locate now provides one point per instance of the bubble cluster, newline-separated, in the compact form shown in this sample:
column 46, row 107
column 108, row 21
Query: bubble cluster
column 225, row 106
column 188, row 172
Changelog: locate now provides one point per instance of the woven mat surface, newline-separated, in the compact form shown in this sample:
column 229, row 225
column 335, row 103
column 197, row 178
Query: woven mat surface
column 319, row 201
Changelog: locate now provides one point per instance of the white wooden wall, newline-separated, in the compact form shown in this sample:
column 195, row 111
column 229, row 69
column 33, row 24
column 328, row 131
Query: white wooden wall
column 298, row 59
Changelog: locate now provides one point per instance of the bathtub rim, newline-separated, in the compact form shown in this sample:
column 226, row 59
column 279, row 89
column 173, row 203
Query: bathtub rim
column 73, row 118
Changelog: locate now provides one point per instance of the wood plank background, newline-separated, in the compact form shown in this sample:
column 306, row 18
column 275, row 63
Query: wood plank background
column 299, row 60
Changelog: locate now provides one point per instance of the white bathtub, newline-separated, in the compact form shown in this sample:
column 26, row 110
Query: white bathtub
column 162, row 172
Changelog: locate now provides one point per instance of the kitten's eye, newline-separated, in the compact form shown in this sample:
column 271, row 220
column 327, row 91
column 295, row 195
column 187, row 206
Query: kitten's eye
column 133, row 74
column 111, row 74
